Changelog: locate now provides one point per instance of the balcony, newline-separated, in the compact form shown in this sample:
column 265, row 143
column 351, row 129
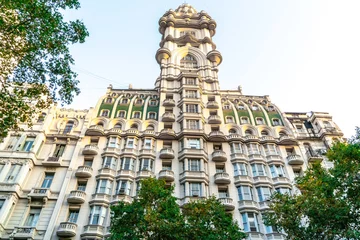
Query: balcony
column 145, row 174
column 167, row 175
column 281, row 181
column 237, row 155
column 256, row 156
column 248, row 205
column 287, row 140
column 219, row 156
column 168, row 117
column 107, row 172
column 313, row 157
column 90, row 149
column 222, row 178
column 167, row 153
column 40, row 193
column 192, row 152
column 147, row 152
column 212, row 105
column 267, row 139
column 242, row 179
column 234, row 137
column 132, row 132
column 93, row 231
column 217, row 136
column 194, row 175
column 10, row 187
column 84, row 172
column 275, row 236
column 167, row 133
column 115, row 131
column 251, row 138
column 169, row 102
column 24, row 233
column 52, row 162
column 100, row 198
column 76, row 197
column 262, row 180
column 121, row 198
column 214, row 119
column 295, row 159
column 67, row 229
column 125, row 174
column 149, row 133
column 95, row 130
column 273, row 157
column 227, row 203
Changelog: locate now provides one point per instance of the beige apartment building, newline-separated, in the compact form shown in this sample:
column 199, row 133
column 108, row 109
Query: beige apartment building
column 59, row 178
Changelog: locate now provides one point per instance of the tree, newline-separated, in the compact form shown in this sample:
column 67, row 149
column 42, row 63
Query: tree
column 154, row 214
column 35, row 62
column 329, row 204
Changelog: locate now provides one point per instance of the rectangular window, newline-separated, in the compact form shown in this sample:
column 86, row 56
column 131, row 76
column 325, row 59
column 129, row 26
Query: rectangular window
column 113, row 142
column 253, row 148
column 264, row 193
column 146, row 164
column 33, row 217
column 245, row 193
column 12, row 173
column 47, row 180
column 283, row 190
column 147, row 143
column 223, row 193
column 250, row 222
column 130, row 143
column 109, row 162
column 121, row 114
column 194, row 164
column 191, row 108
column 195, row 189
column 277, row 171
column 123, row 187
column 127, row 163
column 136, row 115
column 2, row 201
column 191, row 93
column 258, row 170
column 190, row 81
column 192, row 124
column 28, row 144
column 240, row 169
column 244, row 120
column 59, row 150
column 97, row 215
column 81, row 186
column 73, row 216
column 103, row 186
column 194, row 143
column 237, row 148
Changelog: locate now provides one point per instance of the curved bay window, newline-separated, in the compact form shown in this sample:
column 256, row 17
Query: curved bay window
column 188, row 62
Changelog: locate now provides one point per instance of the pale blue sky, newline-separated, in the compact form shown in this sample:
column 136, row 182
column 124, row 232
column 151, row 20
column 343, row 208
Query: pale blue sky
column 304, row 54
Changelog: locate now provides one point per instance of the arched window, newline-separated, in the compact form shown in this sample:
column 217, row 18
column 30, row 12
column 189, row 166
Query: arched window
column 134, row 126
column 124, row 101
column 150, row 127
column 248, row 132
column 68, row 127
column 264, row 133
column 188, row 62
column 232, row 131
column 100, row 124
column 118, row 125
column 282, row 134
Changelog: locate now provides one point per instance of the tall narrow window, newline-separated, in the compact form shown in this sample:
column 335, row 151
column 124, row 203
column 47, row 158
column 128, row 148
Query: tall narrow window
column 28, row 144
column 59, row 150
column 195, row 189
column 109, row 162
column 12, row 173
column 258, row 169
column 250, row 222
column 191, row 108
column 245, row 193
column 73, row 216
column 194, row 165
column 127, row 164
column 192, row 124
column 33, row 217
column 68, row 127
column 146, row 164
column 194, row 143
column 97, row 215
column 103, row 186
column 123, row 187
column 2, row 201
column 47, row 180
column 240, row 169
column 264, row 193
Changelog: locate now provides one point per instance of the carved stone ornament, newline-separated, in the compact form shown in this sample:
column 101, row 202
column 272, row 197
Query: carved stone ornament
column 14, row 161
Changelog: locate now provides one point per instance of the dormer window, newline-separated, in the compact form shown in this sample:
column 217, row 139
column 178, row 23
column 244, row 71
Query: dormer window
column 136, row 114
column 124, row 101
column 152, row 115
column 105, row 113
column 255, row 108
column 121, row 114
column 108, row 100
column 260, row 121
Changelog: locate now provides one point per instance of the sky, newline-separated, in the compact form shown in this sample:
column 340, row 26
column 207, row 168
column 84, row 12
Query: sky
column 304, row 54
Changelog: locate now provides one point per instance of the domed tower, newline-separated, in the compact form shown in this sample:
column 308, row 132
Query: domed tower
column 187, row 50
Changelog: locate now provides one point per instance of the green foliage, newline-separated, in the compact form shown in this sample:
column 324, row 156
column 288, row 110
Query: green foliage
column 329, row 204
column 35, row 67
column 154, row 214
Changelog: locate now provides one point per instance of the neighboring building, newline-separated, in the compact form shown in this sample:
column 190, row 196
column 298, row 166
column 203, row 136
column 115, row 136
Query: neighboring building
column 58, row 179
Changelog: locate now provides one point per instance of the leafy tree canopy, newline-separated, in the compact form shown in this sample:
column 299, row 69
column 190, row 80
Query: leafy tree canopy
column 155, row 214
column 329, row 204
column 35, row 62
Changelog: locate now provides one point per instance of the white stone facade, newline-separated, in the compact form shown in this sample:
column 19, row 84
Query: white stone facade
column 58, row 179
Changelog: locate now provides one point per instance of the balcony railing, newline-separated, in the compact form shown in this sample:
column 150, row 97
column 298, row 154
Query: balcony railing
column 90, row 149
column 76, row 197
column 168, row 117
column 212, row 105
column 222, row 178
column 214, row 119
column 167, row 153
column 84, row 172
column 219, row 156
column 67, row 229
column 95, row 130
column 167, row 175
column 228, row 203
column 52, row 162
column 169, row 102
column 24, row 232
column 294, row 159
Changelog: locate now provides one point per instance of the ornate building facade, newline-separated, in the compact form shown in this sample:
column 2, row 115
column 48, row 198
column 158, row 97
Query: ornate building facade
column 59, row 178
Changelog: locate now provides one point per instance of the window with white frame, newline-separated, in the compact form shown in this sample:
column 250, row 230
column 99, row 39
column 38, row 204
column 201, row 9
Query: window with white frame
column 194, row 143
column 188, row 62
column 260, row 121
column 29, row 141
column 192, row 108
column 49, row 176
column 68, row 127
column 59, row 150
column 130, row 142
column 124, row 101
column 250, row 222
column 264, row 193
column 237, row 147
column 229, row 119
column 2, row 202
column 127, row 163
column 121, row 114
column 241, row 107
column 253, row 148
column 123, row 187
column 139, row 101
column 277, row 171
column 271, row 149
column 271, row 229
column 195, row 189
column 103, row 186
column 192, row 124
column 146, row 164
column 148, row 143
column 191, row 93
column 113, row 142
column 12, row 173
column 105, row 113
column 81, row 186
column 152, row 115
column 245, row 192
column 136, row 114
column 255, row 107
column 240, row 169
column 97, row 215
column 190, row 81
column 283, row 190
column 258, row 169
column 244, row 120
column 108, row 100
column 73, row 215
column 153, row 102
column 276, row 122
column 33, row 217
column 223, row 193
column 226, row 106
column 194, row 164
column 109, row 162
